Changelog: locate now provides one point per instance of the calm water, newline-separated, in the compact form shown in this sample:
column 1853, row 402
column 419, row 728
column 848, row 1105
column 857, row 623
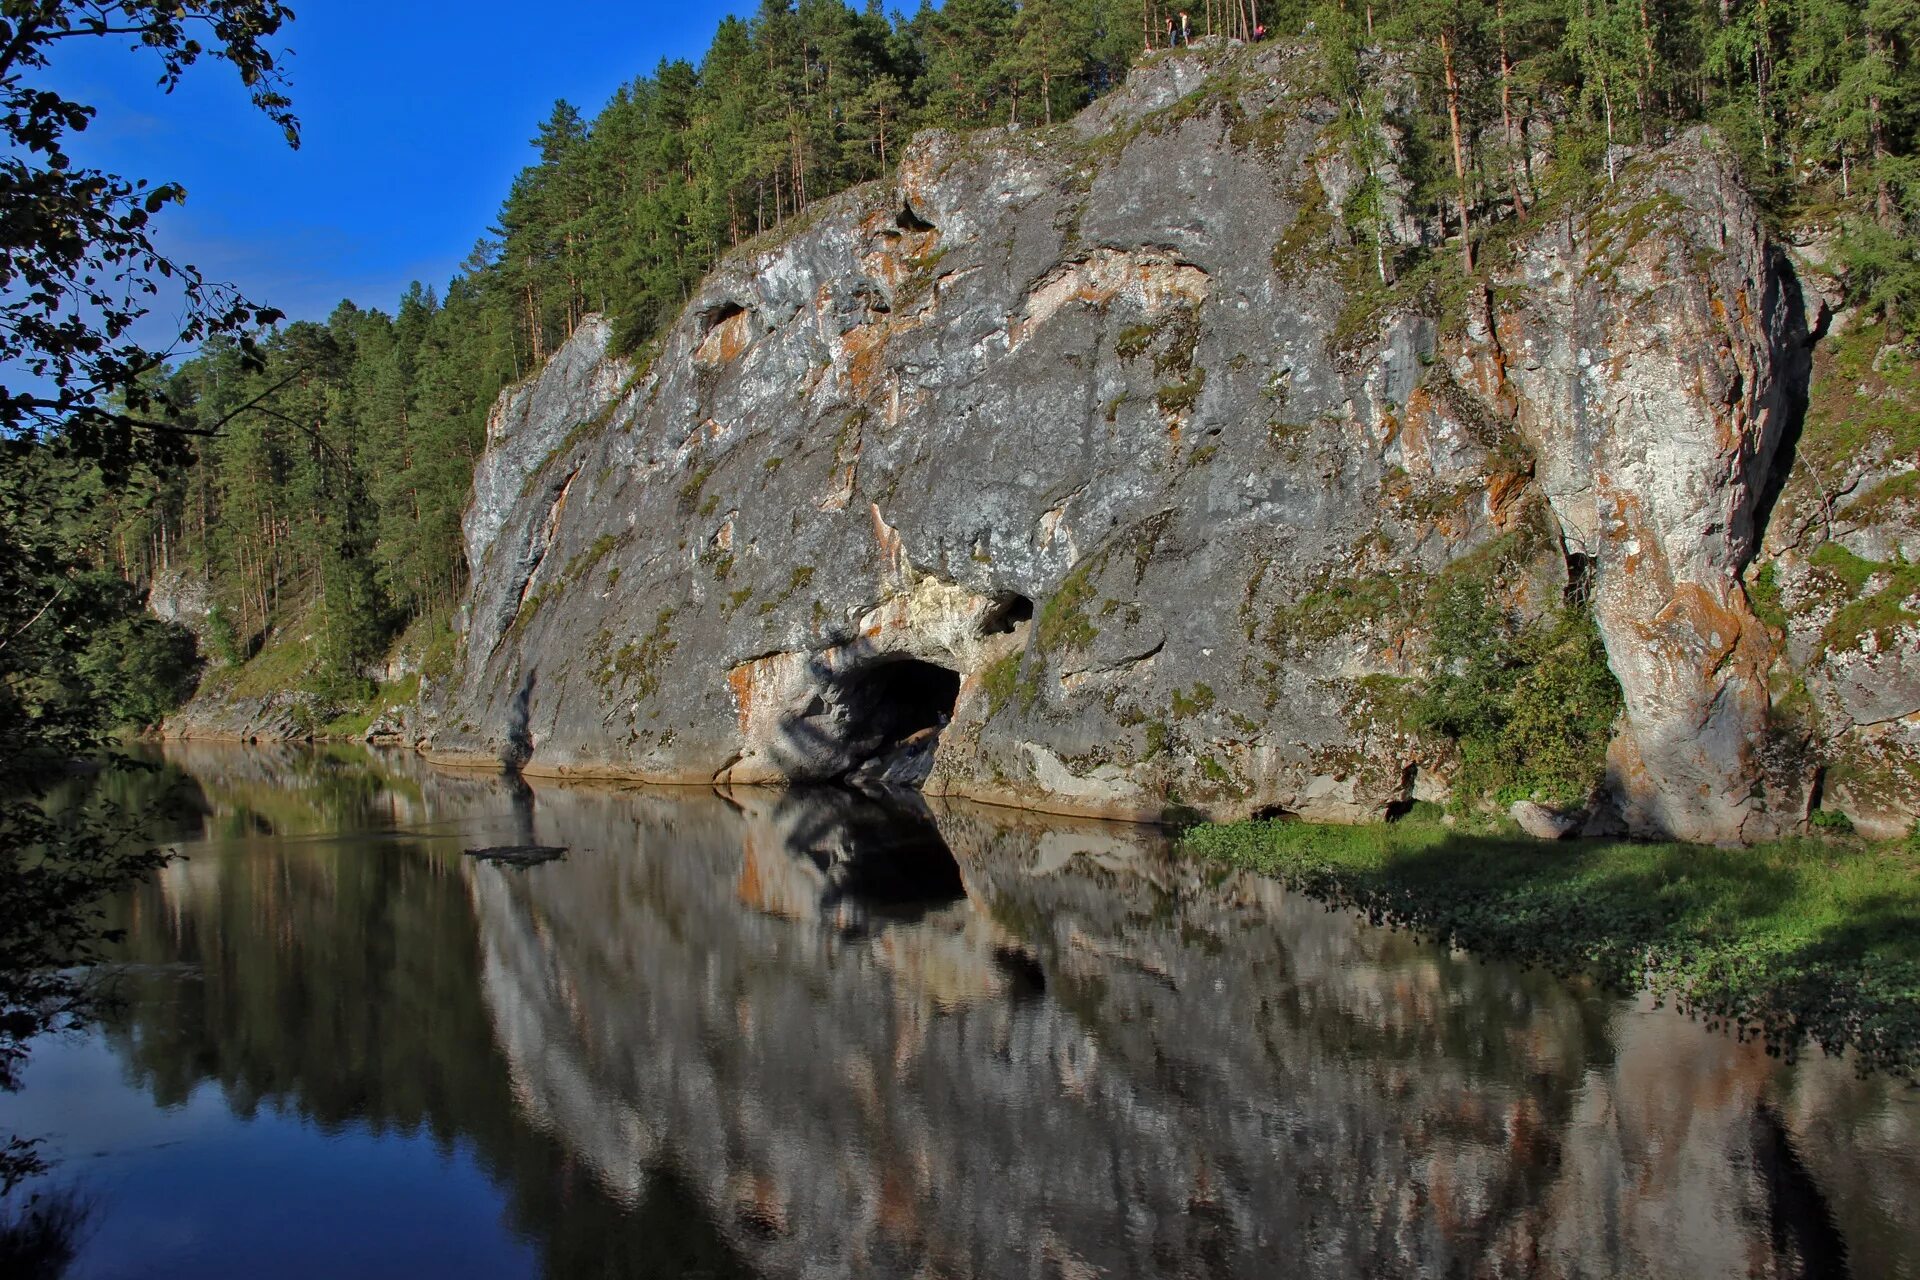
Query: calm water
column 798, row 1035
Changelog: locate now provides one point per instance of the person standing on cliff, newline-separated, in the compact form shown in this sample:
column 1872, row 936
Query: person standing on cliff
column 1186, row 30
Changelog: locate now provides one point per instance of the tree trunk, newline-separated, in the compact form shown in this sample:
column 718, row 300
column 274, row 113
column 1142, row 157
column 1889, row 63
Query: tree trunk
column 1459, row 148
column 1877, row 134
column 1646, row 41
column 1514, row 161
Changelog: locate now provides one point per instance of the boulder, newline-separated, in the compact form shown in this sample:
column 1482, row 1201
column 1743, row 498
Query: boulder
column 1540, row 822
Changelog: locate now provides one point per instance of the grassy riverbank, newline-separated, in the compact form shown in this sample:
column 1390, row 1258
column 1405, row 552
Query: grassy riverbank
column 1804, row 938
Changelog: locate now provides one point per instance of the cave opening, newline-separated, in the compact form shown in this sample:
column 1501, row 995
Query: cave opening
column 1006, row 614
column 718, row 314
column 894, row 711
column 907, row 220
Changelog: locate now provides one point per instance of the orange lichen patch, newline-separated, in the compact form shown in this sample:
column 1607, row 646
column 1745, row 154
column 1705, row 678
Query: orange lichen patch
column 560, row 506
column 1728, row 431
column 741, row 681
column 1629, row 521
column 1735, row 640
column 1504, row 491
column 1416, row 431
column 862, row 349
column 1153, row 282
column 840, row 493
column 889, row 616
column 894, row 252
column 726, row 340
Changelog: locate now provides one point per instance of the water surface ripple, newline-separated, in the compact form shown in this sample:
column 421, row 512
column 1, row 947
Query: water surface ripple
column 804, row 1034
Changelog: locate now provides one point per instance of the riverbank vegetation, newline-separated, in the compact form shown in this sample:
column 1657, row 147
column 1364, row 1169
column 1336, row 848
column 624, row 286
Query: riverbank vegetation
column 1801, row 941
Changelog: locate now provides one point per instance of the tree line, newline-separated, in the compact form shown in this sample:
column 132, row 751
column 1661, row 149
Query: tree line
column 344, row 450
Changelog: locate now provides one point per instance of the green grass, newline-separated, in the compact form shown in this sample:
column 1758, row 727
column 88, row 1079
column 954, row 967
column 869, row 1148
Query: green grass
column 353, row 723
column 1795, row 941
column 1879, row 613
column 1063, row 620
column 282, row 663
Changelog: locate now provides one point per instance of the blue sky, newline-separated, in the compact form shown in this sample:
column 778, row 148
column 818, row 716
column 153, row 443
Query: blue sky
column 416, row 115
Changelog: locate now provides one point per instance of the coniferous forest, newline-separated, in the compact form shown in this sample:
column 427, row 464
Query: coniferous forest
column 296, row 488
column 331, row 491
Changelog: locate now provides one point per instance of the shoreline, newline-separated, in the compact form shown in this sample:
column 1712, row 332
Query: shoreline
column 1796, row 942
column 1804, row 941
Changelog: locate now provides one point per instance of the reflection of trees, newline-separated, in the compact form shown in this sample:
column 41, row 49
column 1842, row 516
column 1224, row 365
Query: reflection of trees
column 697, row 1043
column 339, row 981
column 40, row 1239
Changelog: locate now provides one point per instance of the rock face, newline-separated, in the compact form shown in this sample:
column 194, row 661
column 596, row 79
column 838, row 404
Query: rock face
column 1840, row 586
column 1082, row 470
column 1654, row 365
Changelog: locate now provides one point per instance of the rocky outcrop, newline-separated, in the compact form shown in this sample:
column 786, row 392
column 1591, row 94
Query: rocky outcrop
column 1839, row 587
column 1096, row 469
column 1654, row 354
column 529, row 426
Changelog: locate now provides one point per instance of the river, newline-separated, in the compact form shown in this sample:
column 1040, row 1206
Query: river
column 802, row 1034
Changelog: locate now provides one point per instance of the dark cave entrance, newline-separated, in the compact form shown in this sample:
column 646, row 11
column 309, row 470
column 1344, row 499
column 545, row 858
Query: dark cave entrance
column 894, row 711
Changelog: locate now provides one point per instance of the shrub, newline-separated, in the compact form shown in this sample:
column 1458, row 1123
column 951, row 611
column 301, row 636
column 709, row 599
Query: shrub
column 1831, row 820
column 1531, row 705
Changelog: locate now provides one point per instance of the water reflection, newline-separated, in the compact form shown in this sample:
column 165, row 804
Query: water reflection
column 800, row 1033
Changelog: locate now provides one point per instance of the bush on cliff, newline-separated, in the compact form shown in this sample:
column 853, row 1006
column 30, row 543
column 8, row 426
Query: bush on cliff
column 1531, row 703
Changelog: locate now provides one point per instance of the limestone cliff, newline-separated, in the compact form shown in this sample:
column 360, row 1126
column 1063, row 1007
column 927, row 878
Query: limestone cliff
column 1084, row 469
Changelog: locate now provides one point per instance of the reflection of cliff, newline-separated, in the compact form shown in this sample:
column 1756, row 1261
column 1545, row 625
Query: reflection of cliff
column 1103, row 1058
column 774, row 1032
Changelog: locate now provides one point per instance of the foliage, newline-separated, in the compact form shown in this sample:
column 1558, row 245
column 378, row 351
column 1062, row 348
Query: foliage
column 337, row 479
column 1803, row 940
column 1831, row 820
column 85, row 411
column 55, row 870
column 1530, row 703
column 78, row 262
